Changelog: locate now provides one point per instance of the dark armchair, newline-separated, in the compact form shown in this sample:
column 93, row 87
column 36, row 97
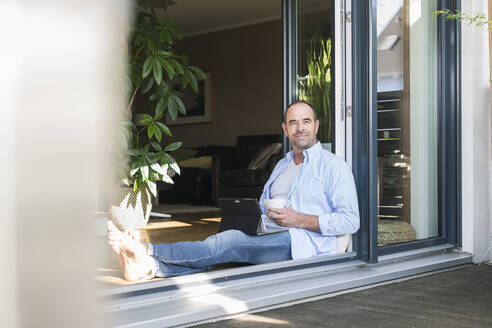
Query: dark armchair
column 245, row 172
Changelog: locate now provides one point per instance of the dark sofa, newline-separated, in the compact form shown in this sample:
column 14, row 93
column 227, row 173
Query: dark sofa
column 234, row 175
column 228, row 171
column 194, row 184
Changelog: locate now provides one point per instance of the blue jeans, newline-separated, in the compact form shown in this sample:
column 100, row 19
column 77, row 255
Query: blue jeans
column 229, row 246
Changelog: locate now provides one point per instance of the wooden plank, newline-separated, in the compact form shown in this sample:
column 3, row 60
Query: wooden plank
column 460, row 298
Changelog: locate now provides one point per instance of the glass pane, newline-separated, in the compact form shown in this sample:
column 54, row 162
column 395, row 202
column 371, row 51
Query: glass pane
column 314, row 62
column 407, row 120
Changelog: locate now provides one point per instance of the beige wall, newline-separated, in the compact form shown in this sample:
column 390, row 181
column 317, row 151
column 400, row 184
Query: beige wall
column 246, row 66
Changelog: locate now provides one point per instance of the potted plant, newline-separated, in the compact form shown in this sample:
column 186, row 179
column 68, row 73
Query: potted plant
column 154, row 69
column 315, row 87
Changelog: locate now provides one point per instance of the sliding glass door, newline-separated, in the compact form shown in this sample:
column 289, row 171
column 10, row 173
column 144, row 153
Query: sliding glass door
column 318, row 61
column 382, row 76
column 407, row 116
column 406, row 125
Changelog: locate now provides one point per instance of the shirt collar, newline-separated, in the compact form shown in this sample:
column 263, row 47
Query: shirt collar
column 308, row 153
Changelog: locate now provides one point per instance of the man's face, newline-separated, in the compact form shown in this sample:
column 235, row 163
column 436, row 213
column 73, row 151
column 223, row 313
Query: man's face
column 300, row 127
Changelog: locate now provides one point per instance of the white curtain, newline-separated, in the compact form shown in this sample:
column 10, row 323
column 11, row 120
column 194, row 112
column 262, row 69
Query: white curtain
column 60, row 86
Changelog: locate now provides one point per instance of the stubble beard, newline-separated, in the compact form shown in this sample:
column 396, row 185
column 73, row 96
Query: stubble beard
column 302, row 144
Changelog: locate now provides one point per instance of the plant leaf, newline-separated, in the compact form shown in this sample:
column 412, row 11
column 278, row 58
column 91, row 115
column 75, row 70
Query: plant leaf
column 161, row 105
column 145, row 172
column 192, row 80
column 148, row 85
column 158, row 116
column 135, row 165
column 155, row 96
column 180, row 104
column 146, row 120
column 158, row 133
column 177, row 66
column 173, row 146
column 169, row 69
column 184, row 80
column 165, row 36
column 151, row 130
column 159, row 169
column 164, row 53
column 164, row 128
column 147, row 67
column 198, row 72
column 167, row 158
column 152, row 187
column 156, row 145
column 172, row 108
column 175, row 167
column 166, row 178
column 133, row 171
column 157, row 68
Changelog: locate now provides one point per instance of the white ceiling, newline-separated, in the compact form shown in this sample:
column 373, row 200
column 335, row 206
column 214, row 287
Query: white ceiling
column 205, row 16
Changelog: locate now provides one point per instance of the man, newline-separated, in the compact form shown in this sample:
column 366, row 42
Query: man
column 322, row 193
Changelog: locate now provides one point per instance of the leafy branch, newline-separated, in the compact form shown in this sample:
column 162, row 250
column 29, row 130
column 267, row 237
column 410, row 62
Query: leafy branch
column 457, row 15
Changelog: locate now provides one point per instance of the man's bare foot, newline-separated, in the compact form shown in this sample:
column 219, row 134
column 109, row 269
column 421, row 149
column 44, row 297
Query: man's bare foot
column 132, row 254
column 134, row 258
column 115, row 236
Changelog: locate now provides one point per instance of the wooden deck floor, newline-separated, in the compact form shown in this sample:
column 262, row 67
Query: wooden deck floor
column 459, row 298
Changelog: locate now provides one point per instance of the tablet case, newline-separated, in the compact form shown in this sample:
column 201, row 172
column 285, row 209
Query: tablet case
column 240, row 214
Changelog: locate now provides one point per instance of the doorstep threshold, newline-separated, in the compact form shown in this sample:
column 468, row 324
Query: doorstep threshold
column 197, row 302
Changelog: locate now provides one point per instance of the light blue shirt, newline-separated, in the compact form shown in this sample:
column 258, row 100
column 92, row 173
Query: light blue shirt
column 324, row 186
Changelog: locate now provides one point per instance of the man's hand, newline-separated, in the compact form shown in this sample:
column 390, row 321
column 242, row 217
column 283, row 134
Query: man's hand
column 287, row 217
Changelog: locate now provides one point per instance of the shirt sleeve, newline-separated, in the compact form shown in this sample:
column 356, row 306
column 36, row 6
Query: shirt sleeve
column 342, row 196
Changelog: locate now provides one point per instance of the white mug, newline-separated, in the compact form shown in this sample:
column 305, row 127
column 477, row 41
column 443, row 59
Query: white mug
column 277, row 203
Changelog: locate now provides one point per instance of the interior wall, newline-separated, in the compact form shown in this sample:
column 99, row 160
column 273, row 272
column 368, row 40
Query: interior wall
column 246, row 67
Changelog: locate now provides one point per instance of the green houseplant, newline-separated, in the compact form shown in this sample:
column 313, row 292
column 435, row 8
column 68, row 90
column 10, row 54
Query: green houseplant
column 315, row 87
column 154, row 69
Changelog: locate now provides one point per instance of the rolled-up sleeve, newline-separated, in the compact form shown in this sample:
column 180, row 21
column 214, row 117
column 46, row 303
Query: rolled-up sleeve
column 342, row 197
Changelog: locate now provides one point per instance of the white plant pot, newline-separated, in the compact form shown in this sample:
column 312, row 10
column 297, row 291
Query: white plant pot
column 131, row 209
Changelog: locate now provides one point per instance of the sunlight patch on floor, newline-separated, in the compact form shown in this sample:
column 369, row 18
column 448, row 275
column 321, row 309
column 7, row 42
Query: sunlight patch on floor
column 209, row 293
column 261, row 319
column 211, row 219
column 166, row 224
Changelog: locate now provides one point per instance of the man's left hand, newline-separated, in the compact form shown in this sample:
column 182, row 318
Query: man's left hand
column 287, row 217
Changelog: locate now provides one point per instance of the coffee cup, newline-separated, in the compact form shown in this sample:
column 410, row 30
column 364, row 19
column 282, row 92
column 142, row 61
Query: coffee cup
column 277, row 203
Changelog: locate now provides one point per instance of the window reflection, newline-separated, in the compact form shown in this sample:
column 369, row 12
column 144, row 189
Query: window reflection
column 314, row 63
column 407, row 121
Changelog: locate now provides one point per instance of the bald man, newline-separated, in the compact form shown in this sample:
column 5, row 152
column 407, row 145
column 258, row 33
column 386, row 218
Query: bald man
column 323, row 204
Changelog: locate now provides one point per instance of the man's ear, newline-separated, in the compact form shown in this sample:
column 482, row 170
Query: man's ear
column 316, row 126
column 284, row 127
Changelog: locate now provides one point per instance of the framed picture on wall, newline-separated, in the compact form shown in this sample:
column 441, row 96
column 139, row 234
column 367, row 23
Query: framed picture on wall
column 199, row 105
